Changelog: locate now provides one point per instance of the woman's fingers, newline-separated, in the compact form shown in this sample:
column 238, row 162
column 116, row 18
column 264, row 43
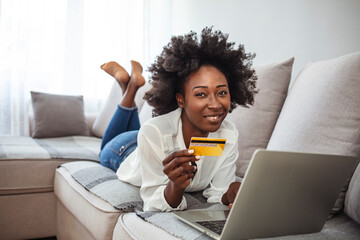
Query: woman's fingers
column 184, row 180
column 179, row 171
column 179, row 175
column 173, row 175
column 179, row 160
column 177, row 154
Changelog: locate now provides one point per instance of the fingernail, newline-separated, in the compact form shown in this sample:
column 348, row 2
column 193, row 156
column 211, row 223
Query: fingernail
column 197, row 157
column 195, row 168
column 191, row 151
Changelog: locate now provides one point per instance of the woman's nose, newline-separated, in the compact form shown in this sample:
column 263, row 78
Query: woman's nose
column 214, row 103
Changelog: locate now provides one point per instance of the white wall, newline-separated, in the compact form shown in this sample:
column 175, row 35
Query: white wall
column 309, row 30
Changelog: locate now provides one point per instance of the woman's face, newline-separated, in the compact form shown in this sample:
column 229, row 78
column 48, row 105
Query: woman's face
column 206, row 101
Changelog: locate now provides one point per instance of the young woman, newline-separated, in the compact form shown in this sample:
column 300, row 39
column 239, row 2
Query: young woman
column 194, row 86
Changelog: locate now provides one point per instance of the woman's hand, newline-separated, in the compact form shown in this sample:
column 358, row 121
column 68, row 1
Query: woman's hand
column 180, row 168
column 229, row 197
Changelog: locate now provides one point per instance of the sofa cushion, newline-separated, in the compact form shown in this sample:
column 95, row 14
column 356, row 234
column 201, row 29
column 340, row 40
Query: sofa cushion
column 352, row 198
column 69, row 227
column 58, row 115
column 28, row 165
column 130, row 226
column 77, row 205
column 255, row 124
column 321, row 113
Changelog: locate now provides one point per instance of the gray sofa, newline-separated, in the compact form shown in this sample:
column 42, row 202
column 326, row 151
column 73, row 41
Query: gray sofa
column 80, row 199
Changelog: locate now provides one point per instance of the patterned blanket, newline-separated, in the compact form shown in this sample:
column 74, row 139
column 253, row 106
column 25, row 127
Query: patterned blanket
column 77, row 148
column 104, row 183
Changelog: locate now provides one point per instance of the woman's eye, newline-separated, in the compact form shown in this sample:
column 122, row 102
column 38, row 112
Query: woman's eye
column 221, row 93
column 200, row 94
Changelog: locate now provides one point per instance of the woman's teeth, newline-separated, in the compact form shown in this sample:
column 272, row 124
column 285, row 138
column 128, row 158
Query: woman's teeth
column 213, row 117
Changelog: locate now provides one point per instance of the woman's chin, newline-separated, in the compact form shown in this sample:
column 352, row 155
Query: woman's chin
column 213, row 128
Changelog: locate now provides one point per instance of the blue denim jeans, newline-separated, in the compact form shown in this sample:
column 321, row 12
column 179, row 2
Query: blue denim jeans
column 120, row 138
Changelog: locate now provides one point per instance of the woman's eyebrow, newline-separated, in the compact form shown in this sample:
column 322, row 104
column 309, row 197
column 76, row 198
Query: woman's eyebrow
column 218, row 86
column 199, row 87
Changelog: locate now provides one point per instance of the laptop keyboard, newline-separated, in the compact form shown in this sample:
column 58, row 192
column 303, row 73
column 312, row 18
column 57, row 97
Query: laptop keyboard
column 215, row 226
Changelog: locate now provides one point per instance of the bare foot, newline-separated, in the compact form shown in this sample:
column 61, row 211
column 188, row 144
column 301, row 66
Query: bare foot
column 118, row 72
column 136, row 79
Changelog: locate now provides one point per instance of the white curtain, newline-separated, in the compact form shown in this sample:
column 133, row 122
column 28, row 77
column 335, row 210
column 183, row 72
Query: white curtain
column 57, row 46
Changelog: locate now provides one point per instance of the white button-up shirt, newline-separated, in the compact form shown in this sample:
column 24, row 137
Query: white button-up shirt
column 158, row 138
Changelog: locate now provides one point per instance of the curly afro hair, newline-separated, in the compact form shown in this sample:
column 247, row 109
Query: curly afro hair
column 184, row 55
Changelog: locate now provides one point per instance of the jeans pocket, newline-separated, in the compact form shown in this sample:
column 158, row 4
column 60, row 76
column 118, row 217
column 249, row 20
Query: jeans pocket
column 119, row 148
column 124, row 143
column 127, row 149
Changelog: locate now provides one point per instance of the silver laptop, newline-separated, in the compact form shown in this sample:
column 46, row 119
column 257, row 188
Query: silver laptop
column 282, row 193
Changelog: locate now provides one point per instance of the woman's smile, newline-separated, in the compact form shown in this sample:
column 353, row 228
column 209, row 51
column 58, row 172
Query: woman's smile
column 214, row 118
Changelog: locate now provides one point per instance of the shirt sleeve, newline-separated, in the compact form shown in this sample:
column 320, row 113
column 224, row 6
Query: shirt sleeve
column 151, row 154
column 223, row 177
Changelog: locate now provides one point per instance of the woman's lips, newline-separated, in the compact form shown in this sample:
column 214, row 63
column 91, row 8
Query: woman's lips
column 214, row 117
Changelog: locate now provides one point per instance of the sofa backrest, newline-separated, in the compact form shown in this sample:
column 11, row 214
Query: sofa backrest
column 321, row 115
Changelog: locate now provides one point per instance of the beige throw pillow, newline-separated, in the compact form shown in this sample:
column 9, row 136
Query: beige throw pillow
column 255, row 124
column 321, row 113
column 58, row 115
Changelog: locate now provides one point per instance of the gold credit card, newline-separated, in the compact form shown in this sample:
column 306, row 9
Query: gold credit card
column 207, row 146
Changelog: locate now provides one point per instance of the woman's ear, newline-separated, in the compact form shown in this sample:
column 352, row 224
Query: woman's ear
column 180, row 100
